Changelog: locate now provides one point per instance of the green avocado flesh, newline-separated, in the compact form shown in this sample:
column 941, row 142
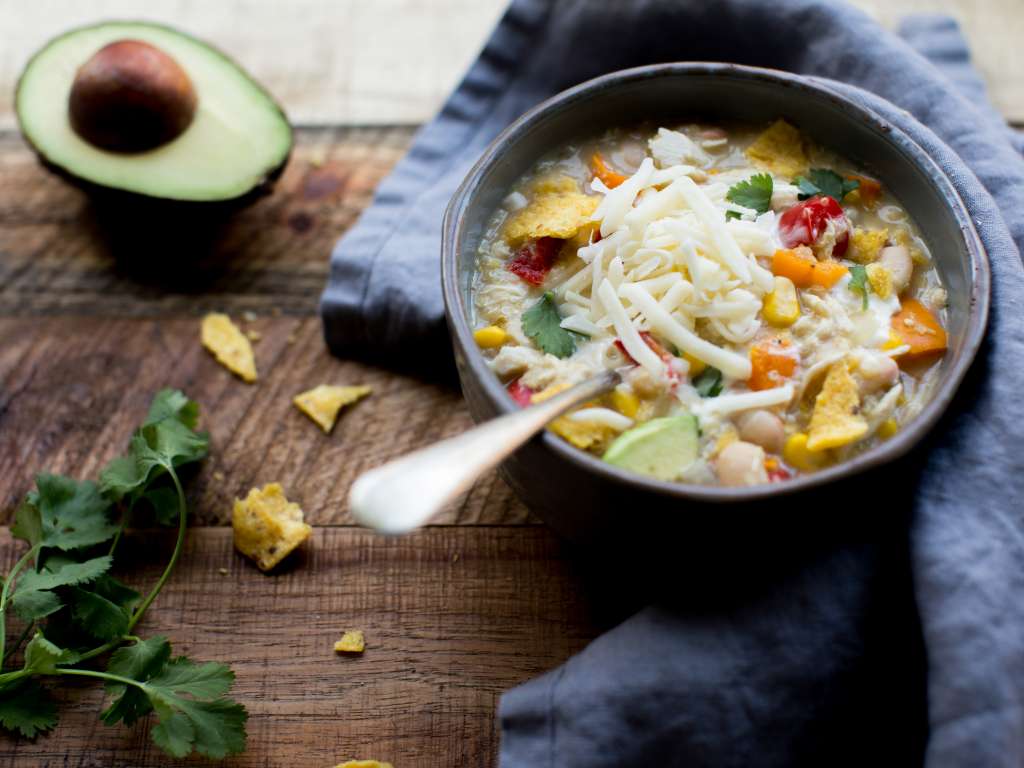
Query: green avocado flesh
column 238, row 138
column 660, row 448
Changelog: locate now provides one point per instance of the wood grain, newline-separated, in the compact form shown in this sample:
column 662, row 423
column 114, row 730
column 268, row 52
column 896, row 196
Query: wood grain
column 62, row 252
column 73, row 388
column 453, row 617
column 394, row 61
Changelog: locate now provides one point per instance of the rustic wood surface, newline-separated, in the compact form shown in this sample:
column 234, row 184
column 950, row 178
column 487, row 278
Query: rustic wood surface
column 453, row 616
column 392, row 61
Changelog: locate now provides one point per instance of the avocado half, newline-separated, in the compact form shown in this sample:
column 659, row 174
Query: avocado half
column 148, row 110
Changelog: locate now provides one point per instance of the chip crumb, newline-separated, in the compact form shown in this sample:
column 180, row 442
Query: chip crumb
column 275, row 311
column 253, row 335
column 218, row 476
column 558, row 209
column 222, row 571
column 779, row 149
column 228, row 345
column 364, row 764
column 291, row 338
column 249, row 316
column 836, row 420
column 351, row 642
column 267, row 527
column 323, row 404
column 455, row 557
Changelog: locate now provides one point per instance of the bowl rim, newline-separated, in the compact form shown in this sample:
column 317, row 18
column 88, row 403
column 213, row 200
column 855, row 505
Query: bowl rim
column 894, row 448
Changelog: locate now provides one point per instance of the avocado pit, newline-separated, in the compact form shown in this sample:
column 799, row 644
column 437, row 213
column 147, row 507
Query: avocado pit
column 131, row 97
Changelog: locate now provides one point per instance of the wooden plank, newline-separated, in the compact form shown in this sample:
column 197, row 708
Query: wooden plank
column 453, row 617
column 73, row 388
column 394, row 61
column 62, row 252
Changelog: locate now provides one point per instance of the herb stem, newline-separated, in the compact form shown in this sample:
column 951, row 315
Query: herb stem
column 6, row 591
column 17, row 643
column 101, row 675
column 182, row 526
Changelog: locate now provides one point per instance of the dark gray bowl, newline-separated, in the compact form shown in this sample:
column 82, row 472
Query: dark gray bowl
column 577, row 493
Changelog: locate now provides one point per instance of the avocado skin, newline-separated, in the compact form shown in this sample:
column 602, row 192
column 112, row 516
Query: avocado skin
column 115, row 196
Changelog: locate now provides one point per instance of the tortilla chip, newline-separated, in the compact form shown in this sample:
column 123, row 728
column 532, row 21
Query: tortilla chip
column 351, row 642
column 229, row 345
column 267, row 526
column 880, row 279
column 779, row 149
column 836, row 420
column 557, row 209
column 322, row 404
column 866, row 244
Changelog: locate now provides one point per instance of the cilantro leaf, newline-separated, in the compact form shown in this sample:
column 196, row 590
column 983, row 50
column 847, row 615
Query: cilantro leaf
column 140, row 661
column 542, row 324
column 730, row 215
column 824, row 181
column 755, row 192
column 97, row 616
column 28, row 709
column 42, row 656
column 28, row 523
column 34, row 604
column 859, row 282
column 164, row 502
column 188, row 699
column 709, row 382
column 72, row 514
column 67, row 573
column 212, row 728
column 157, row 446
column 173, row 404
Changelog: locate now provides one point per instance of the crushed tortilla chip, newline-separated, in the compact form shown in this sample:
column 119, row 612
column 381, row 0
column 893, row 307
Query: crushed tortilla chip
column 880, row 279
column 779, row 149
column 229, row 345
column 866, row 244
column 836, row 421
column 351, row 642
column 323, row 404
column 581, row 434
column 267, row 526
column 364, row 764
column 558, row 209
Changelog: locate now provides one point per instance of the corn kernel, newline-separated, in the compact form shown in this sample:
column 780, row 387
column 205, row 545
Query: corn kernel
column 490, row 337
column 696, row 366
column 888, row 428
column 625, row 402
column 893, row 342
column 798, row 455
column 781, row 307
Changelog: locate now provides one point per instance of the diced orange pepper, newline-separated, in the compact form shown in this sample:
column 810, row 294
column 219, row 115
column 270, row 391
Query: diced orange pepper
column 610, row 178
column 917, row 327
column 771, row 363
column 869, row 189
column 805, row 271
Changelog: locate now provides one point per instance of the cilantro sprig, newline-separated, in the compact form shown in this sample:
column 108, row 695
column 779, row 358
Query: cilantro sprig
column 75, row 611
column 823, row 181
column 708, row 382
column 543, row 324
column 755, row 192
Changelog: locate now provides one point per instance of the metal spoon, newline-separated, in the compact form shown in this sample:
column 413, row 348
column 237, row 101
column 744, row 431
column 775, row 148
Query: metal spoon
column 405, row 493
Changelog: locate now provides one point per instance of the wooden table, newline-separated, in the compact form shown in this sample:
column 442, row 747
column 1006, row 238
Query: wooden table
column 453, row 615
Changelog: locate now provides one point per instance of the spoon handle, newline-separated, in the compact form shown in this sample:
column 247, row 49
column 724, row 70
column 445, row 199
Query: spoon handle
column 405, row 493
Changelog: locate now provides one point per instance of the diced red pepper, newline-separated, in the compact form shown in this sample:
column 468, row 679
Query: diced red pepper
column 805, row 222
column 521, row 393
column 534, row 260
column 651, row 342
column 779, row 474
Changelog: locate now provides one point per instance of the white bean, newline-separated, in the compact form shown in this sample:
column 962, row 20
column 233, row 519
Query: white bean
column 762, row 428
column 741, row 464
column 876, row 371
column 896, row 258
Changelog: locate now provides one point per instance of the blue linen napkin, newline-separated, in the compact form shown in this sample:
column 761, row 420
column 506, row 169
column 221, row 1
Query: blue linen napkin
column 899, row 646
